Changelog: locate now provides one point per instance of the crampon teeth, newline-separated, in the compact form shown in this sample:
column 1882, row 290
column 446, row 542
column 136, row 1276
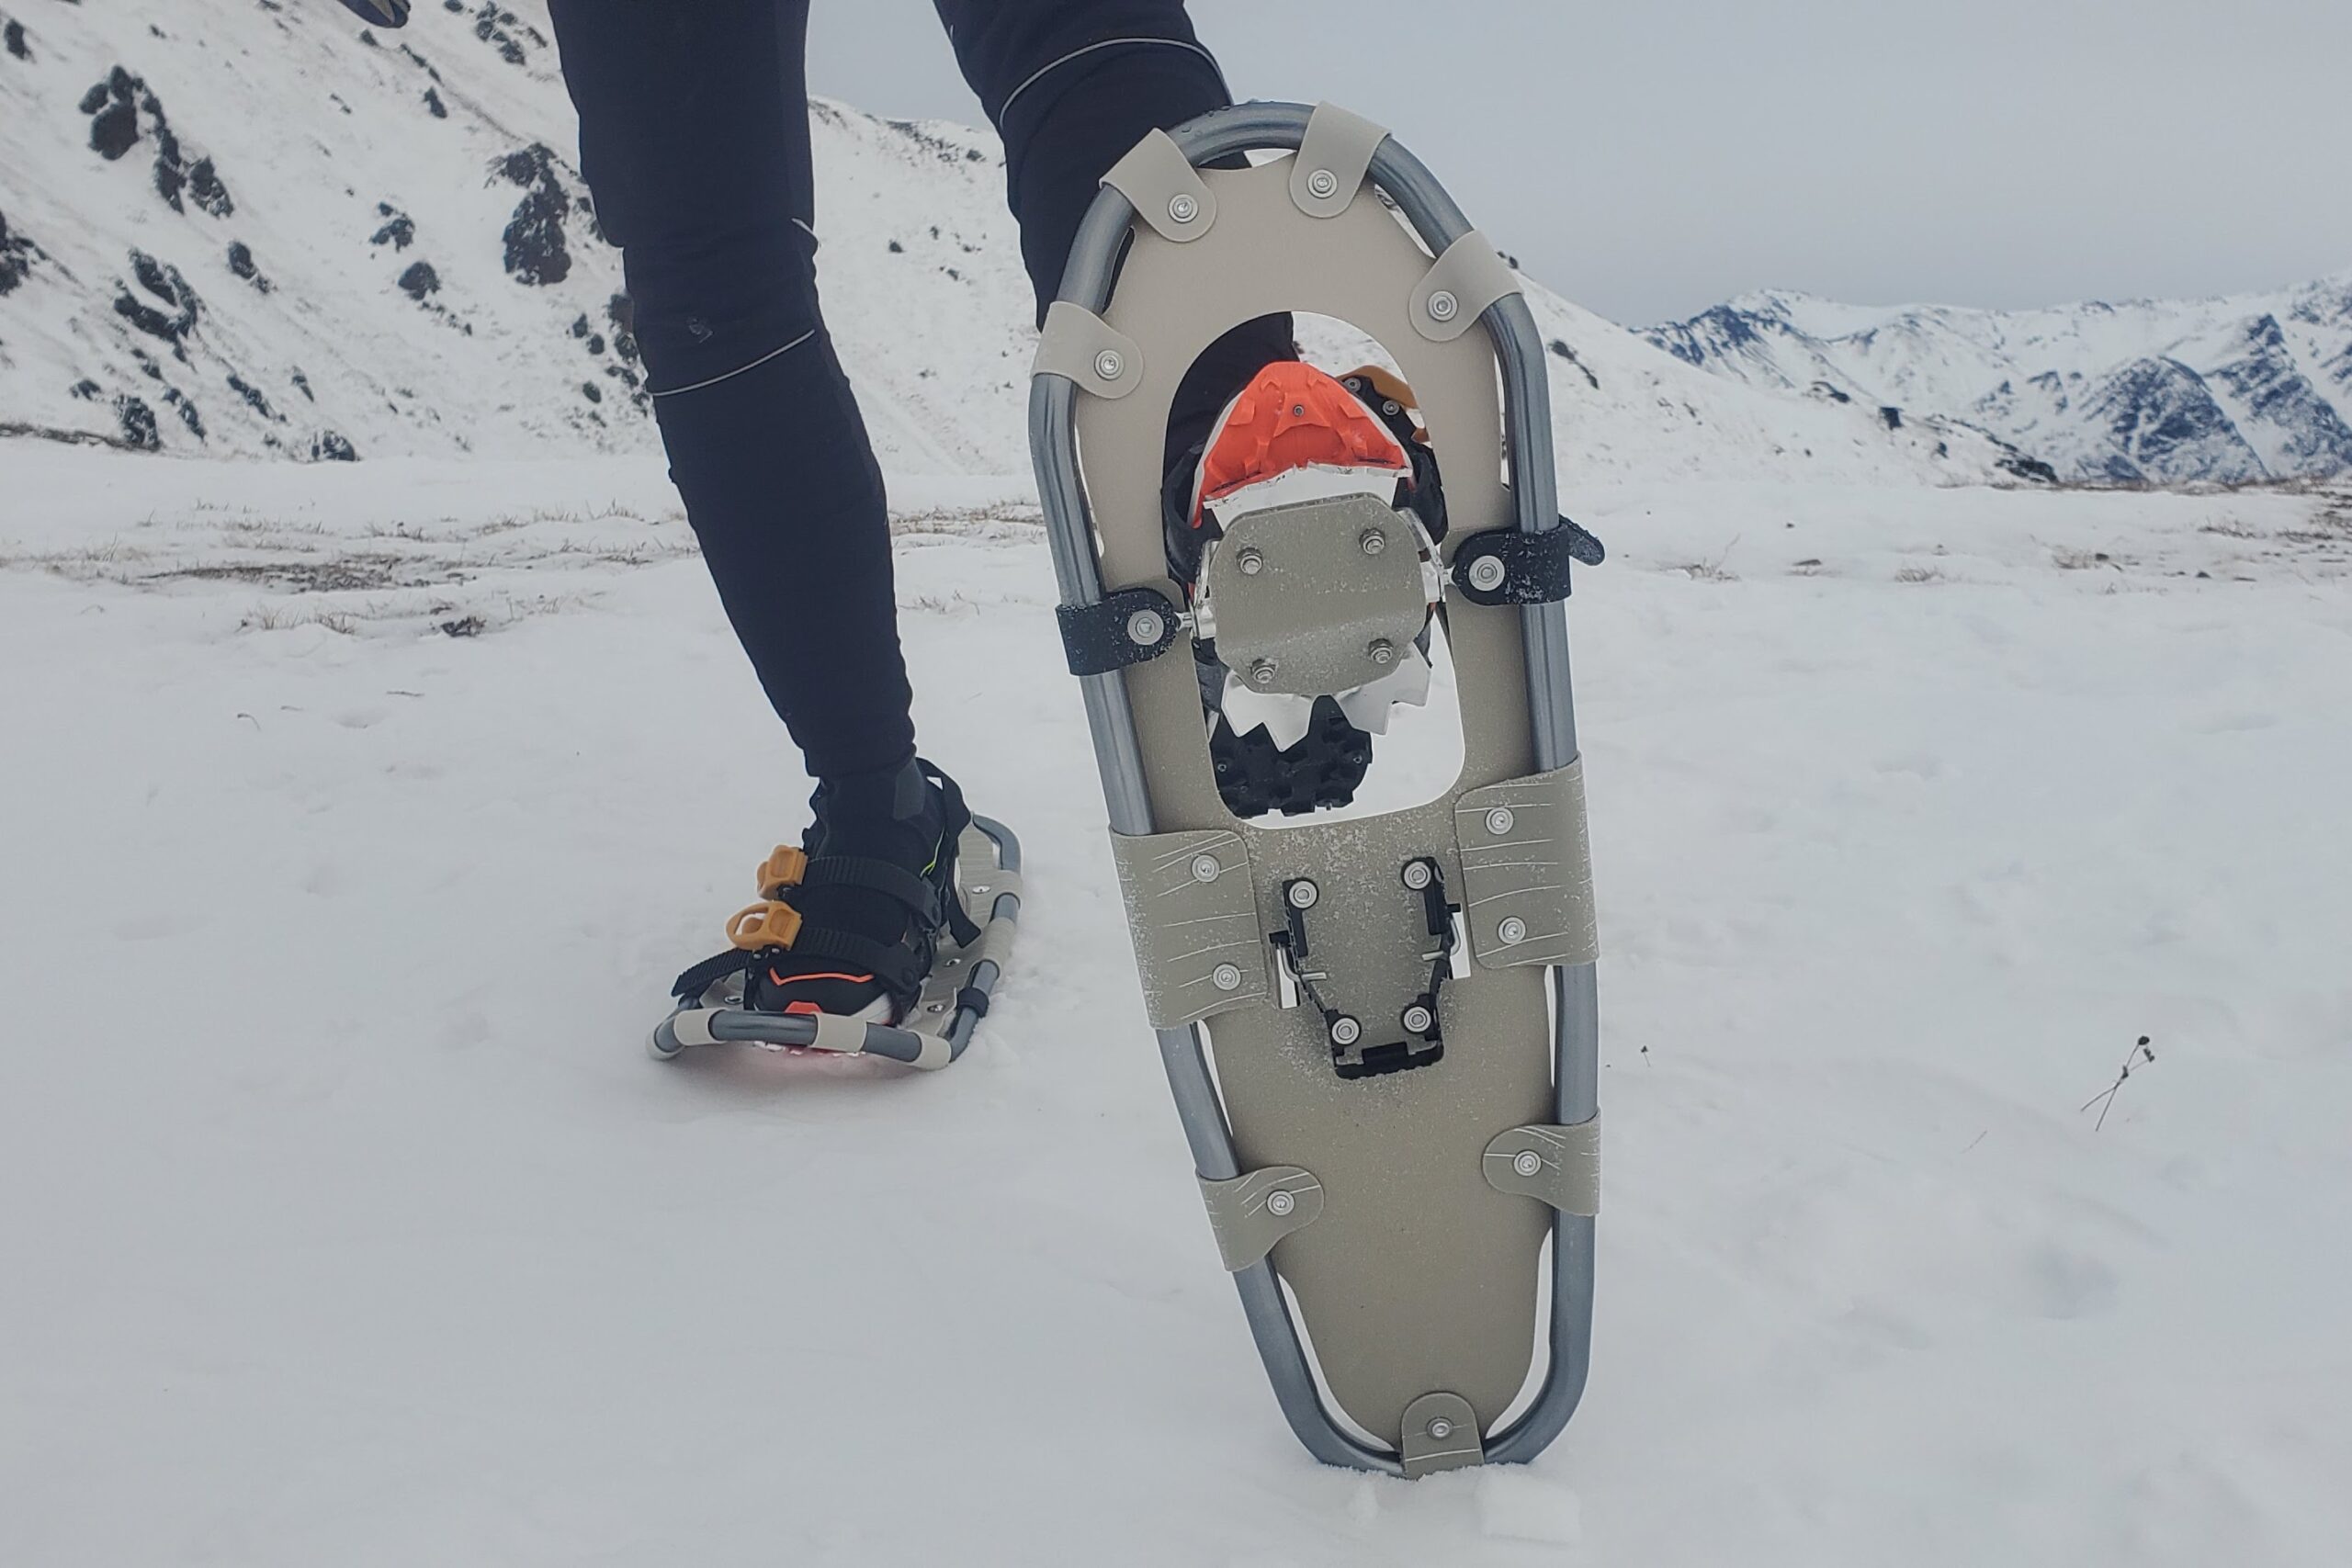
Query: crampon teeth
column 1284, row 719
column 1367, row 706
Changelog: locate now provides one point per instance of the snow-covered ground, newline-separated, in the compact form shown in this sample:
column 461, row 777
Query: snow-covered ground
column 347, row 1221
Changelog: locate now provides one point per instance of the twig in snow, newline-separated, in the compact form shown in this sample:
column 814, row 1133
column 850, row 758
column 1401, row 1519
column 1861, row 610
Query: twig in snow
column 2105, row 1099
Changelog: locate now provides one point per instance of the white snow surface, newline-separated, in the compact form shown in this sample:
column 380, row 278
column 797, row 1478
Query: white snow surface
column 323, row 139
column 348, row 1222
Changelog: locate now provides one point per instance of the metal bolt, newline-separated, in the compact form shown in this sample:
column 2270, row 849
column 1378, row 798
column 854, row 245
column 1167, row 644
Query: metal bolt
column 1183, row 208
column 1345, row 1031
column 1487, row 573
column 1145, row 627
column 1279, row 1202
column 1392, row 406
column 1226, row 978
column 1416, row 875
column 1108, row 364
column 1322, row 184
column 1372, row 541
column 1380, row 650
column 1527, row 1162
column 1440, row 1429
column 1204, row 868
column 1251, row 560
column 1262, row 672
column 1417, row 1020
column 936, row 1007
column 1442, row 304
column 1303, row 894
column 1499, row 820
column 1512, row 932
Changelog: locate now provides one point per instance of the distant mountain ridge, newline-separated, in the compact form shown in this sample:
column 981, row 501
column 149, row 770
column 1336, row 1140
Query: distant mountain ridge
column 2230, row 390
column 262, row 229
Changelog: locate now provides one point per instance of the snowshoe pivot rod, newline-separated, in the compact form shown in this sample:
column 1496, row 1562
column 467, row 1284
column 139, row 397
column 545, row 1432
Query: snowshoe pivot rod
column 1519, row 348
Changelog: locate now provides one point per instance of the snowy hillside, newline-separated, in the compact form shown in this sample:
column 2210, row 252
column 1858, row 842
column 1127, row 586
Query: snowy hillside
column 2242, row 388
column 258, row 227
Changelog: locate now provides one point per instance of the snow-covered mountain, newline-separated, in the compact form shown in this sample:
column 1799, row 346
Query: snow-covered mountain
column 2240, row 388
column 259, row 227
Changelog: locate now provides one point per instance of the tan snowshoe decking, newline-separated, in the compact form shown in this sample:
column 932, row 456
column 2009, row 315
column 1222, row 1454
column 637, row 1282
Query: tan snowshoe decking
column 936, row 1029
column 1400, row 1183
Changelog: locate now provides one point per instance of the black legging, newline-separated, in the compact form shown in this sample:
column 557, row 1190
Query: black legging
column 695, row 139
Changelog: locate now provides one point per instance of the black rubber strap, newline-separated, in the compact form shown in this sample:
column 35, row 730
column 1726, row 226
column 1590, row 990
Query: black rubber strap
column 709, row 972
column 1534, row 566
column 974, row 1000
column 1099, row 638
column 894, row 882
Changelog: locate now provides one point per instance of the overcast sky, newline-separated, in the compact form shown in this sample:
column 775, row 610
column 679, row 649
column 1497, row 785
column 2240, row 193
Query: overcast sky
column 1651, row 159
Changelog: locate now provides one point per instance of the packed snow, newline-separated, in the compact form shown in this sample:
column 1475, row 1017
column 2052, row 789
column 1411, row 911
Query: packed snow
column 361, row 815
column 358, row 814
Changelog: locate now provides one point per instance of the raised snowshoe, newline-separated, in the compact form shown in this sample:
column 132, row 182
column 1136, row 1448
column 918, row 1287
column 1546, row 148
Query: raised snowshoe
column 1399, row 1006
column 1292, row 435
column 881, row 933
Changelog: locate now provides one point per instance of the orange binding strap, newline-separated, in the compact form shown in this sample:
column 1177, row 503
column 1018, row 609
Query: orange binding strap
column 783, row 868
column 763, row 925
column 1292, row 415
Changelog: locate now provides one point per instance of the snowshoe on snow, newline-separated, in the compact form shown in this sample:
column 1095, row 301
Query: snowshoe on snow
column 881, row 933
column 1401, row 1122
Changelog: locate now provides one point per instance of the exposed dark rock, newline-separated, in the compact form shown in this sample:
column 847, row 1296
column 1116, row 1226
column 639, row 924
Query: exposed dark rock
column 592, row 391
column 1560, row 350
column 2165, row 426
column 303, row 385
column 186, row 409
column 84, row 388
column 138, row 421
column 166, row 284
column 2273, row 392
column 332, row 447
column 433, row 106
column 622, row 315
column 1893, row 416
column 253, row 398
column 12, row 33
column 535, row 250
column 420, row 280
column 241, row 263
column 117, row 107
column 398, row 230
column 492, row 25
column 17, row 254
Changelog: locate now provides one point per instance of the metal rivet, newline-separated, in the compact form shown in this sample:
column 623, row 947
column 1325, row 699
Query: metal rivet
column 1303, row 894
column 1512, row 932
column 1251, row 561
column 1380, row 650
column 1416, row 875
column 1499, row 820
column 1204, row 868
column 1442, row 305
column 1279, row 1202
column 1372, row 541
column 1345, row 1031
column 1183, row 208
column 1417, row 1020
column 1226, row 978
column 1108, row 364
column 1487, row 573
column 1262, row 672
column 1322, row 183
column 1145, row 627
column 936, row 1007
column 1392, row 406
column 1527, row 1162
column 1440, row 1429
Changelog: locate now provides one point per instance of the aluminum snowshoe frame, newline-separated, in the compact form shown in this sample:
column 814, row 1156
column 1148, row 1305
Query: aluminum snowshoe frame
column 1365, row 1225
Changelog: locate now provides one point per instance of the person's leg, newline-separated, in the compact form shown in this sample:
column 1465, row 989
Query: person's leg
column 695, row 140
column 1071, row 86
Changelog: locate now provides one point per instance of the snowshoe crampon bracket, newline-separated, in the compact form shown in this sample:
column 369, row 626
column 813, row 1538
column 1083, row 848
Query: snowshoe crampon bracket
column 1503, row 566
column 1249, row 1213
column 1441, row 1433
column 1123, row 627
column 1318, row 597
column 1195, row 920
column 1424, row 1040
column 1559, row 1166
column 1527, row 870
